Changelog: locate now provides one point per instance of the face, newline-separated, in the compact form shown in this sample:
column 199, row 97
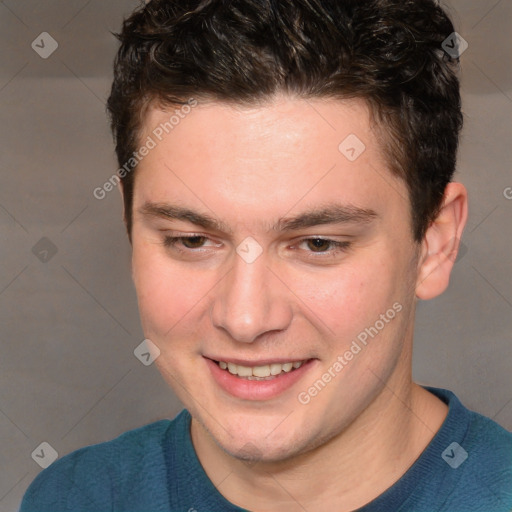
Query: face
column 275, row 269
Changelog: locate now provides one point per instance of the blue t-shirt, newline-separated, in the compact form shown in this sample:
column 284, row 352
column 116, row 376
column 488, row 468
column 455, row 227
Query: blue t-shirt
column 466, row 467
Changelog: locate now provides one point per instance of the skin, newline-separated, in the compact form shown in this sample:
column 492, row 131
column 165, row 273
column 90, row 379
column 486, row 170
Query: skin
column 247, row 168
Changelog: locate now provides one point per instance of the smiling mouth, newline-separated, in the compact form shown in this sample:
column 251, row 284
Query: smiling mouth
column 264, row 372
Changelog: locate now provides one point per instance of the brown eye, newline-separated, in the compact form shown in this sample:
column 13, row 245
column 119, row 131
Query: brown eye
column 324, row 247
column 193, row 242
column 319, row 244
column 188, row 242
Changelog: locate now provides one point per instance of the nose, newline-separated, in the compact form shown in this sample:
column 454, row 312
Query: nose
column 250, row 301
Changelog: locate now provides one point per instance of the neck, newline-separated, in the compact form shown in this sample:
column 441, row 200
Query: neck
column 343, row 474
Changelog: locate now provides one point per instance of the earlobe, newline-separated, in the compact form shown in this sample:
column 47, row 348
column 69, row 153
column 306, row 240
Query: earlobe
column 441, row 243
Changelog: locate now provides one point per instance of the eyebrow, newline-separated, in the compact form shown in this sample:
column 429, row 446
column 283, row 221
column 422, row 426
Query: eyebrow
column 173, row 212
column 329, row 214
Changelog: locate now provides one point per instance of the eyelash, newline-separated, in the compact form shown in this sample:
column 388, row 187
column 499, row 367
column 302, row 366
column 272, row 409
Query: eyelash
column 172, row 242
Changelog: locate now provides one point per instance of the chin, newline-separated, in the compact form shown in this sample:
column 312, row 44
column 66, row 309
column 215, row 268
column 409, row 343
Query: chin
column 253, row 439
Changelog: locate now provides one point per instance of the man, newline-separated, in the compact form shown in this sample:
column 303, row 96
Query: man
column 286, row 173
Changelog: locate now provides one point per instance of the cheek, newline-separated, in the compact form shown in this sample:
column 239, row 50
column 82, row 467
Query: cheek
column 347, row 298
column 166, row 293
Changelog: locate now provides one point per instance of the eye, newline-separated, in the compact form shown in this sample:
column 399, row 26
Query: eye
column 322, row 245
column 188, row 242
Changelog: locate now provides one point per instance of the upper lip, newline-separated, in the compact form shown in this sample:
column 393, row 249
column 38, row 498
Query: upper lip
column 259, row 362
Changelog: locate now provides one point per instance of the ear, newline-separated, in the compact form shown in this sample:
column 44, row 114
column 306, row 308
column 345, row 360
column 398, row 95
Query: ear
column 441, row 243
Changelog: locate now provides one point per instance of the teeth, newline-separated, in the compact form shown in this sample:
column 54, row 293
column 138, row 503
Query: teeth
column 259, row 372
column 275, row 369
column 245, row 371
column 287, row 367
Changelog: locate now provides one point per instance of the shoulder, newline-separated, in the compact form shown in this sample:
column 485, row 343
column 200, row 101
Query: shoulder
column 89, row 479
column 489, row 457
column 478, row 453
column 484, row 438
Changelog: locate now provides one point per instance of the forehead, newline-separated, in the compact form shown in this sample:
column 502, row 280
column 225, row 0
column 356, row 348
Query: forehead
column 297, row 119
column 266, row 158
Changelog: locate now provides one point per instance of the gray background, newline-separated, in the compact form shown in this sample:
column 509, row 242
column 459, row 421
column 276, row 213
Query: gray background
column 69, row 325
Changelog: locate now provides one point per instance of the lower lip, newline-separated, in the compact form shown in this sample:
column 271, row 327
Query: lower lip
column 256, row 389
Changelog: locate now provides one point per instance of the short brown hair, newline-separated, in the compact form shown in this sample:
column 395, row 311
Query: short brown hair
column 388, row 52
